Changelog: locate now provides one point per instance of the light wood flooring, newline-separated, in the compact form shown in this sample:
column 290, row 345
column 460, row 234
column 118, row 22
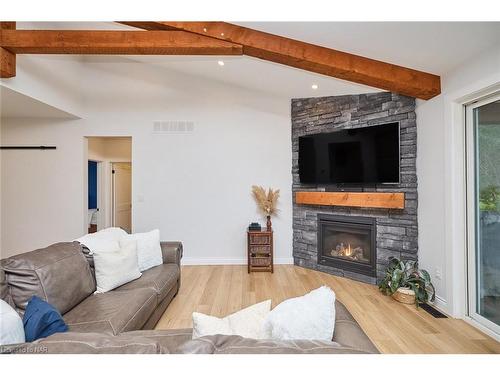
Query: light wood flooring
column 392, row 326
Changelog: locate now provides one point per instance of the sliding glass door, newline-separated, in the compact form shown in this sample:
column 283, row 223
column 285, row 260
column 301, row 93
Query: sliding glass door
column 483, row 190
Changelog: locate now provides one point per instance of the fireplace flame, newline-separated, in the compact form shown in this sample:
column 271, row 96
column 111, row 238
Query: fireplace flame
column 348, row 251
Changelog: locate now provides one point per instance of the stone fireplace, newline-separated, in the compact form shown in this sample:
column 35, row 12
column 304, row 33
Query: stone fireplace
column 347, row 243
column 380, row 232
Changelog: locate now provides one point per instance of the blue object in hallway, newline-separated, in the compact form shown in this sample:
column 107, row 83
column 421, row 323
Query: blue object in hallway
column 92, row 184
column 41, row 319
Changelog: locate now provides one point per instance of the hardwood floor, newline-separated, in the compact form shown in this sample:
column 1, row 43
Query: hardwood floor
column 392, row 326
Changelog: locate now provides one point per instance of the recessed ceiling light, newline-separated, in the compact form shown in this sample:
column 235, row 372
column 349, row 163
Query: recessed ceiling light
column 314, row 87
column 220, row 62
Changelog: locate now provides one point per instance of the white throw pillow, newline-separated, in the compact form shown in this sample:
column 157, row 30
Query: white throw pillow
column 248, row 322
column 104, row 240
column 112, row 233
column 116, row 267
column 11, row 325
column 148, row 249
column 310, row 317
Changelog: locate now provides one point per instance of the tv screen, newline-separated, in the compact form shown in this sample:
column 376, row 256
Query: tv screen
column 354, row 156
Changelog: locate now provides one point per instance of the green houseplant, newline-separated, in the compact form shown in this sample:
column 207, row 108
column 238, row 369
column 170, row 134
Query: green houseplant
column 489, row 198
column 406, row 274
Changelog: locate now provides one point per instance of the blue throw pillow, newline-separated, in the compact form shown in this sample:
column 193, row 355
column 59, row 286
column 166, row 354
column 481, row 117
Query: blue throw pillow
column 41, row 319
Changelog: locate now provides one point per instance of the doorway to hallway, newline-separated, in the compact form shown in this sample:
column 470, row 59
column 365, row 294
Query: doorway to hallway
column 109, row 183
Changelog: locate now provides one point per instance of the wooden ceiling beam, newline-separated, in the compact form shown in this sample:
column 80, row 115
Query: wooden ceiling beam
column 7, row 58
column 317, row 59
column 114, row 43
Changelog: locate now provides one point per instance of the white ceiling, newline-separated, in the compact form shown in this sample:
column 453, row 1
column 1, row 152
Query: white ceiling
column 245, row 72
column 15, row 104
column 434, row 47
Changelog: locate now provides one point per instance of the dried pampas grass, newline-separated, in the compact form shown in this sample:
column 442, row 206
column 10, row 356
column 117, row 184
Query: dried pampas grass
column 267, row 202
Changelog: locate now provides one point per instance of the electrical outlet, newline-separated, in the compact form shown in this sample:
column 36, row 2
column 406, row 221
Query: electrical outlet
column 438, row 273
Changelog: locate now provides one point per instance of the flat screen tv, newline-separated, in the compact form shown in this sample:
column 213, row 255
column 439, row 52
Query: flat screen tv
column 367, row 155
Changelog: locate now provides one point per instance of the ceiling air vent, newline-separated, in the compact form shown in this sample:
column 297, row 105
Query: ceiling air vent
column 172, row 127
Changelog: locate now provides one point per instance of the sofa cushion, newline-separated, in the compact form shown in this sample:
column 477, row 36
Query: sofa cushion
column 169, row 340
column 113, row 312
column 221, row 344
column 58, row 274
column 349, row 333
column 161, row 278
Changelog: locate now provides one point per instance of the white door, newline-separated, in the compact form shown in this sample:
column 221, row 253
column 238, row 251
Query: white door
column 483, row 211
column 122, row 196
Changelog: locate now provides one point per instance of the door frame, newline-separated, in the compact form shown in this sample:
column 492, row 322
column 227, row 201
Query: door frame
column 104, row 172
column 113, row 195
column 101, row 218
column 471, row 187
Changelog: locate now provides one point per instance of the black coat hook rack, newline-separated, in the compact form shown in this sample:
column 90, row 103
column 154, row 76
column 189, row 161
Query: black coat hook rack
column 28, row 147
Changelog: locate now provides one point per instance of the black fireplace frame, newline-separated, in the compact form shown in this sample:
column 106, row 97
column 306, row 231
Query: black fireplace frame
column 360, row 222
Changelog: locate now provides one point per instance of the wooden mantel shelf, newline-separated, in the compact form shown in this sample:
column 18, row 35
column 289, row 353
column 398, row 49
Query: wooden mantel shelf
column 365, row 200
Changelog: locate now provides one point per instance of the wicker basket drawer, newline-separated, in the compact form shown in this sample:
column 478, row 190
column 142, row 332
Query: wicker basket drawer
column 260, row 261
column 260, row 249
column 259, row 239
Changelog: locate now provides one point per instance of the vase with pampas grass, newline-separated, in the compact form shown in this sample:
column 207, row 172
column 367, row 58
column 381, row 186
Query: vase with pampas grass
column 266, row 201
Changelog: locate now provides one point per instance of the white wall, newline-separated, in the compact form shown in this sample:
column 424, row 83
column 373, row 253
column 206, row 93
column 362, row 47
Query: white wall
column 440, row 168
column 194, row 186
column 431, row 191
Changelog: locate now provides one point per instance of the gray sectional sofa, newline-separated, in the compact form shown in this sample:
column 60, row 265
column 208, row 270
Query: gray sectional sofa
column 122, row 320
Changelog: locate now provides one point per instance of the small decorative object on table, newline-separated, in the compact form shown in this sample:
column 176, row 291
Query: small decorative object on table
column 254, row 227
column 267, row 202
column 406, row 283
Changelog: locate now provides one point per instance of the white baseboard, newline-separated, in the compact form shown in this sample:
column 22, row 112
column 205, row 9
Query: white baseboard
column 482, row 328
column 186, row 261
column 283, row 261
column 441, row 304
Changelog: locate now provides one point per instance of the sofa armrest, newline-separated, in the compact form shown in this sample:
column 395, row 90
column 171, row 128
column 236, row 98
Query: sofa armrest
column 171, row 252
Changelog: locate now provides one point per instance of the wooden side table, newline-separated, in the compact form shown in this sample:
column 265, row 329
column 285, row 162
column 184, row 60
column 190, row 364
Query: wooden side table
column 260, row 251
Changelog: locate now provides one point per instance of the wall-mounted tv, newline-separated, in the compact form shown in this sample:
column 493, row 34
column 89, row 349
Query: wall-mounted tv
column 367, row 155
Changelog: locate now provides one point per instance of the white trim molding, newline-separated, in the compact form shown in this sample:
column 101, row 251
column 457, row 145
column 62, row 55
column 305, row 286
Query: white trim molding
column 456, row 233
column 456, row 201
column 440, row 304
column 482, row 328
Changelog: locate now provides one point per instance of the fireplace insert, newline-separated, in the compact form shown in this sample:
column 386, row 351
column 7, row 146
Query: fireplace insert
column 347, row 243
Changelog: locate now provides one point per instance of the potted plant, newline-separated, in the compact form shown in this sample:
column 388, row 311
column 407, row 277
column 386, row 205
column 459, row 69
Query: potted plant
column 406, row 283
column 267, row 202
